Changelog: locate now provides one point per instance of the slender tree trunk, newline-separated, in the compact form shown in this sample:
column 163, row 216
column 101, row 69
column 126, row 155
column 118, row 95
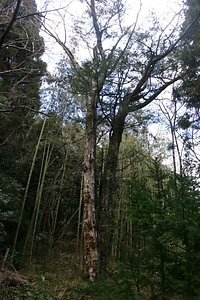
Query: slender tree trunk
column 90, row 252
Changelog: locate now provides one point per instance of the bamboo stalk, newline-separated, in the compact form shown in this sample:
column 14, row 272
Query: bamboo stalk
column 27, row 188
column 44, row 167
column 57, row 204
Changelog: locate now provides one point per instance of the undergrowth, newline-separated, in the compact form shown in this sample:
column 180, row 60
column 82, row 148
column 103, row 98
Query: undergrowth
column 61, row 278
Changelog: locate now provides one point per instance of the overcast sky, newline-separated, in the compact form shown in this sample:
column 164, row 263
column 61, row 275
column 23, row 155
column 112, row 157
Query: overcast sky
column 158, row 5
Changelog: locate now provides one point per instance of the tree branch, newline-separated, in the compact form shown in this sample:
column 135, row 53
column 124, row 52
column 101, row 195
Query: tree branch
column 23, row 107
column 153, row 61
column 135, row 107
column 13, row 19
column 97, row 30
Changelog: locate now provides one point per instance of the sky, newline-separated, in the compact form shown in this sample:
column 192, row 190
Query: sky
column 165, row 9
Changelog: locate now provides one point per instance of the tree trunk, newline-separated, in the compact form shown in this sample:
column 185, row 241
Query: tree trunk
column 109, row 186
column 90, row 260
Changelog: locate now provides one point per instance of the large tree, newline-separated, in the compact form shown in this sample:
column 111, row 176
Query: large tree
column 129, row 68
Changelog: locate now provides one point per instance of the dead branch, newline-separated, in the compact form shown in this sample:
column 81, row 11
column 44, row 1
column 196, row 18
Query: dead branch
column 10, row 278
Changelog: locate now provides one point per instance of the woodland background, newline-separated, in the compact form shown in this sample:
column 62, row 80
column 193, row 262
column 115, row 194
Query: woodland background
column 93, row 204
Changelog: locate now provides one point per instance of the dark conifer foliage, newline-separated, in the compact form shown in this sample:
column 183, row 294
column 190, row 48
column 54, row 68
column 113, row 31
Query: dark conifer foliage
column 187, row 92
column 189, row 56
column 21, row 67
column 20, row 63
column 21, row 71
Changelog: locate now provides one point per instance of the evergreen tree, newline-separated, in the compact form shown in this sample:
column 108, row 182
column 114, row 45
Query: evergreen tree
column 190, row 57
column 187, row 92
column 157, row 231
column 21, row 66
column 21, row 71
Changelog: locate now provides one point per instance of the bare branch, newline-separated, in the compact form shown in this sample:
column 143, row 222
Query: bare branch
column 150, row 67
column 97, row 30
column 108, row 72
column 137, row 106
column 71, row 57
column 10, row 110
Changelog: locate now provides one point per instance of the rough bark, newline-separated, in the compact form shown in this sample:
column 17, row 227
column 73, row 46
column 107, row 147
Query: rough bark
column 110, row 168
column 108, row 185
column 90, row 261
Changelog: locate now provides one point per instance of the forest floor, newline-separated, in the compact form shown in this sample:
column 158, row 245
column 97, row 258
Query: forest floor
column 60, row 278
